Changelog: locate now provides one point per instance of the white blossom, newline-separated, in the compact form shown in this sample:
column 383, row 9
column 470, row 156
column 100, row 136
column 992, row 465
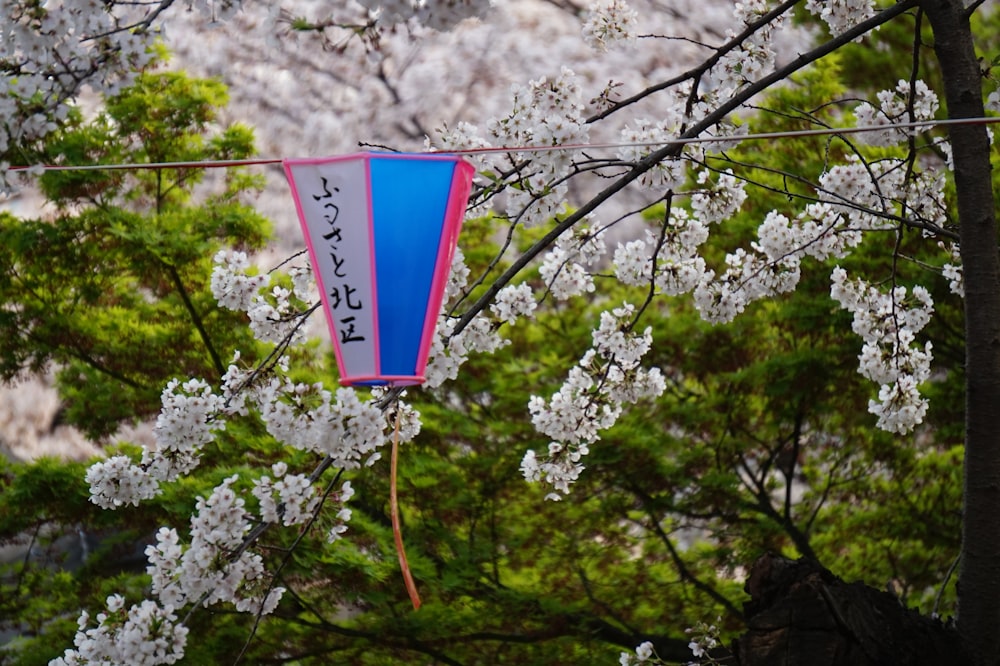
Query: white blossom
column 548, row 111
column 721, row 200
column 644, row 136
column 58, row 48
column 293, row 493
column 273, row 317
column 614, row 340
column 117, row 482
column 403, row 420
column 753, row 57
column 610, row 23
column 449, row 350
column 513, row 302
column 545, row 112
column 565, row 267
column 190, row 415
column 207, row 571
column 644, row 653
column 748, row 277
column 308, row 417
column 590, row 400
column 480, row 336
column 993, row 101
column 859, row 191
column 894, row 107
column 458, row 276
column 343, row 515
column 888, row 323
column 146, row 635
column 303, row 284
column 632, row 262
column 841, row 15
column 563, row 277
column 677, row 268
column 953, row 271
column 231, row 285
column 443, row 359
column 238, row 387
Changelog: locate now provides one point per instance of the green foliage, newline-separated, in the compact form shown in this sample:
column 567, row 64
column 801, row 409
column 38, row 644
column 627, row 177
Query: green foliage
column 113, row 289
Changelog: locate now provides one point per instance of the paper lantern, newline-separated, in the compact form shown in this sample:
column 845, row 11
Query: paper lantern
column 381, row 229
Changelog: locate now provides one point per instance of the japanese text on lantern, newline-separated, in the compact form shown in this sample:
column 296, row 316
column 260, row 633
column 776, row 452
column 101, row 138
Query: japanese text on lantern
column 346, row 304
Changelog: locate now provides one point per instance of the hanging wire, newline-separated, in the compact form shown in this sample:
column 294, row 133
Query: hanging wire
column 579, row 147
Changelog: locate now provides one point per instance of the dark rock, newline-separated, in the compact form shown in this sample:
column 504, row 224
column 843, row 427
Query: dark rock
column 800, row 614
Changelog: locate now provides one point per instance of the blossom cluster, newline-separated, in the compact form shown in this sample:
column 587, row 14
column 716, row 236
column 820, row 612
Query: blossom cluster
column 841, row 15
column 275, row 313
column 860, row 189
column 718, row 201
column 214, row 567
column 566, row 267
column 888, row 323
column 293, row 493
column 668, row 258
column 57, row 48
column 190, row 415
column 896, row 106
column 749, row 276
column 643, row 136
column 233, row 287
column 218, row 563
column 343, row 514
column 704, row 637
column 450, row 348
column 591, row 399
column 952, row 271
column 146, row 634
column 309, row 417
column 513, row 302
column 117, row 482
column 608, row 23
column 753, row 57
column 858, row 200
column 547, row 112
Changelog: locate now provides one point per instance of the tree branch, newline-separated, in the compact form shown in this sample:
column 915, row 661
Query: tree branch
column 674, row 149
column 175, row 277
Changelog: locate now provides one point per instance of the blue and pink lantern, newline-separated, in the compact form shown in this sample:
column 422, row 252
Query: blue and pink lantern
column 381, row 229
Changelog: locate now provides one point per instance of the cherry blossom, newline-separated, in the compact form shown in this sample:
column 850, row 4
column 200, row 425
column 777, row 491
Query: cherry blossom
column 888, row 322
column 841, row 15
column 294, row 493
column 513, row 302
column 146, row 634
column 610, row 23
column 895, row 106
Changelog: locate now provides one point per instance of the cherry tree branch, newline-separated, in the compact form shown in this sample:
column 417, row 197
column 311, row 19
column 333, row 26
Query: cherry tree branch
column 700, row 70
column 670, row 150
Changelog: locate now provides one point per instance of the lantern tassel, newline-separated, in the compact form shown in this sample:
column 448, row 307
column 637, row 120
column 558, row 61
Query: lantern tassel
column 397, row 534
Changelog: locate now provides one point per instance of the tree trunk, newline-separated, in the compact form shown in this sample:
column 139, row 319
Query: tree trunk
column 979, row 578
column 802, row 615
